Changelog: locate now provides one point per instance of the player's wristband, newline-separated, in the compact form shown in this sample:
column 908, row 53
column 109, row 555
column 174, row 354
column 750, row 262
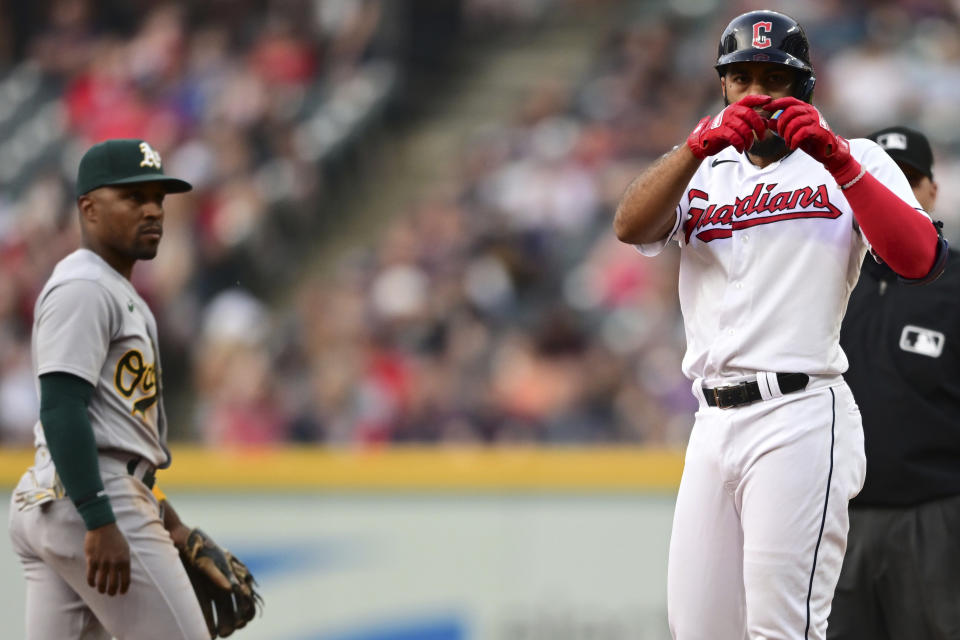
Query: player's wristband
column 844, row 187
column 95, row 510
column 848, row 173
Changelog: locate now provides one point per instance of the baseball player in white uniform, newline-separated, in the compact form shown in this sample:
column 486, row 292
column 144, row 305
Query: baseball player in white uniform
column 773, row 214
column 101, row 558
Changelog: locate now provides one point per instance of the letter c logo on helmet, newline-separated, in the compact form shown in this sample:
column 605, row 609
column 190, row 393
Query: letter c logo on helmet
column 760, row 31
column 768, row 36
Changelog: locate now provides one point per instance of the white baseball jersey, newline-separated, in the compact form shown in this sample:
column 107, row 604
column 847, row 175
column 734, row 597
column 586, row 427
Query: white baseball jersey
column 769, row 258
column 89, row 321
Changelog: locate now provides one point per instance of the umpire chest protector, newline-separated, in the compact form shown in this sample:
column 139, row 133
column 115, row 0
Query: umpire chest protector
column 905, row 340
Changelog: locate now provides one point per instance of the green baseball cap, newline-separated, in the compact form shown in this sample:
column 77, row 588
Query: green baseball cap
column 123, row 161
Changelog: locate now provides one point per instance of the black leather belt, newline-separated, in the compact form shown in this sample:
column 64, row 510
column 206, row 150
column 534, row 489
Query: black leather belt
column 736, row 395
column 147, row 475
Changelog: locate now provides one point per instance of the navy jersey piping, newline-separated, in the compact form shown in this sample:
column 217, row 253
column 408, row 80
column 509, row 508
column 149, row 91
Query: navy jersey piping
column 826, row 502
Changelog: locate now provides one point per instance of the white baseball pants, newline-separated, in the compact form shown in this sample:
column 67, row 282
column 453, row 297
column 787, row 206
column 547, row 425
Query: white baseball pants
column 761, row 521
column 160, row 604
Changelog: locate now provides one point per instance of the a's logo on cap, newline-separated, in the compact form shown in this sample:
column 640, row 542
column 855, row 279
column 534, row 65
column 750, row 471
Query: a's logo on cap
column 760, row 31
column 150, row 157
column 892, row 141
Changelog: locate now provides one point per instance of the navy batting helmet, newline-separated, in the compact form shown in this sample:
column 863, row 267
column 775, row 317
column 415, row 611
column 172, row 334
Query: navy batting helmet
column 768, row 36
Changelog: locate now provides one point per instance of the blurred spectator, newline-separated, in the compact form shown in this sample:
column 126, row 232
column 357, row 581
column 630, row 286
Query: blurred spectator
column 865, row 70
column 217, row 88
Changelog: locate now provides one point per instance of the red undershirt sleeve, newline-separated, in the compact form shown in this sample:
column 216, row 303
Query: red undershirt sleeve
column 902, row 236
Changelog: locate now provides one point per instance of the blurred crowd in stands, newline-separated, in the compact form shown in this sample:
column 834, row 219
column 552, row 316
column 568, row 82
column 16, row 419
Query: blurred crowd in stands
column 500, row 309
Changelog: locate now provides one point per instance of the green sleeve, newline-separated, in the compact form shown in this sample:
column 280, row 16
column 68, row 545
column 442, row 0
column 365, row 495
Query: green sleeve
column 63, row 413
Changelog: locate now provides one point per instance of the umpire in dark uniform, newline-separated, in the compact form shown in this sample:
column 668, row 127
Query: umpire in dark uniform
column 901, row 573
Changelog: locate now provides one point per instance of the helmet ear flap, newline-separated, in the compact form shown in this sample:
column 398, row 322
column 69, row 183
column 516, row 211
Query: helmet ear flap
column 805, row 90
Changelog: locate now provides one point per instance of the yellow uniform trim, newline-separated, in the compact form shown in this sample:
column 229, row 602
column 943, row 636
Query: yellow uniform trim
column 158, row 493
column 453, row 469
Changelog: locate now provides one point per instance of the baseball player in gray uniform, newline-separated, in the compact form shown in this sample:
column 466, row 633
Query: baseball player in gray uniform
column 102, row 555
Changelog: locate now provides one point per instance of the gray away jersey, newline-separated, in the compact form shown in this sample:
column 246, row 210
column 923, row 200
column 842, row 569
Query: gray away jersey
column 90, row 322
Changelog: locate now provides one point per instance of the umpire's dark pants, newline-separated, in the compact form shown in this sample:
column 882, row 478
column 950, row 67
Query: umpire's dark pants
column 901, row 574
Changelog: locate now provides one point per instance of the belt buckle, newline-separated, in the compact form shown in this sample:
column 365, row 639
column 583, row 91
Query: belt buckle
column 739, row 399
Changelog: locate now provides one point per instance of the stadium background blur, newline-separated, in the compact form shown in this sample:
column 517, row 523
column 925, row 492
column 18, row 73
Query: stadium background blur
column 400, row 233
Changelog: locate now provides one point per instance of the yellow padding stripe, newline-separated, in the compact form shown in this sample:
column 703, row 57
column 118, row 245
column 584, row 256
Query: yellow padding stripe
column 405, row 469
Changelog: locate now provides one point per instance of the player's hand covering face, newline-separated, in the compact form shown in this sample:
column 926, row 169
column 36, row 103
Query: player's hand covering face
column 741, row 79
column 802, row 126
column 738, row 125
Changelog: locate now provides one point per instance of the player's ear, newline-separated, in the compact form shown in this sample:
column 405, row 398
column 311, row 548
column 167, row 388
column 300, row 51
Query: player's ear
column 723, row 88
column 87, row 208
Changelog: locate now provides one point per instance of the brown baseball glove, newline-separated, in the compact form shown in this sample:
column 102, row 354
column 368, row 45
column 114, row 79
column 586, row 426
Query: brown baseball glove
column 223, row 585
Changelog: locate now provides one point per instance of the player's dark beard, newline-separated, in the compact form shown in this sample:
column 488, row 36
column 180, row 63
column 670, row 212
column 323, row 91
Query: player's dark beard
column 772, row 146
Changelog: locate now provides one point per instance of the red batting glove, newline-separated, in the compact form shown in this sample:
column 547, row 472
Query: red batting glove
column 802, row 126
column 737, row 125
